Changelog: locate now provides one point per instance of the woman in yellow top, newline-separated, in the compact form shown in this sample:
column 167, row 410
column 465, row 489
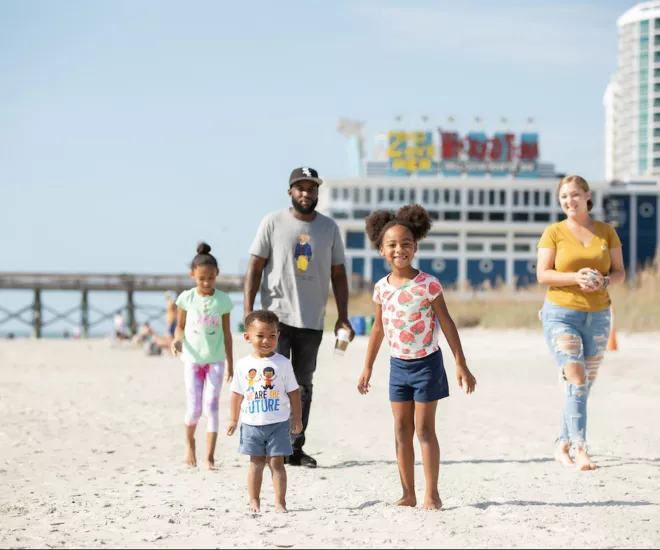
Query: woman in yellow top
column 578, row 258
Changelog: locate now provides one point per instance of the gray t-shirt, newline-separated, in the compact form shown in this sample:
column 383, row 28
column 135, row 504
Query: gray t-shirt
column 296, row 279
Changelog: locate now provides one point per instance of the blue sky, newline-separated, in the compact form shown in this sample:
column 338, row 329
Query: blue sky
column 130, row 130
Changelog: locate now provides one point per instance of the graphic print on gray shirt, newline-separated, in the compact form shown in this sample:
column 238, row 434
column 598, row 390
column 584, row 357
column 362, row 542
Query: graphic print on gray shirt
column 299, row 254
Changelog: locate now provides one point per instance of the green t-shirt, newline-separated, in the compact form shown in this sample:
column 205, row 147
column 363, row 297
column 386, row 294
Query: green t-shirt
column 204, row 340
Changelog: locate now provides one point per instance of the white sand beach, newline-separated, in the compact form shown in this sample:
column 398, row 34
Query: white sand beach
column 91, row 449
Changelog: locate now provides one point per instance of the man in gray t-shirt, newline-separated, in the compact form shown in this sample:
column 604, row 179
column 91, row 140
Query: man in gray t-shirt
column 297, row 254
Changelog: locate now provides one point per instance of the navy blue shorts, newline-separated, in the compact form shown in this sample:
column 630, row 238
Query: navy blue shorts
column 268, row 440
column 423, row 380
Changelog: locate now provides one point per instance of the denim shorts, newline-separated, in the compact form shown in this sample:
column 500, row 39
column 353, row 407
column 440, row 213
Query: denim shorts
column 423, row 380
column 268, row 440
column 593, row 329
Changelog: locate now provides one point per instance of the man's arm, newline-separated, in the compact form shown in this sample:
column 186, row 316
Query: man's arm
column 252, row 283
column 340, row 290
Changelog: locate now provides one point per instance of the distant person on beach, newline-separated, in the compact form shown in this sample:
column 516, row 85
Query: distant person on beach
column 145, row 334
column 409, row 303
column 578, row 258
column 120, row 326
column 203, row 339
column 265, row 390
column 299, row 253
column 170, row 317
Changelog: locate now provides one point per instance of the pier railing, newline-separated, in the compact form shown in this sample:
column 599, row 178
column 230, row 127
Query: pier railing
column 86, row 282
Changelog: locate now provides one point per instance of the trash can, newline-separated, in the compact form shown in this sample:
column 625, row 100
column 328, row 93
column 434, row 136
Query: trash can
column 359, row 325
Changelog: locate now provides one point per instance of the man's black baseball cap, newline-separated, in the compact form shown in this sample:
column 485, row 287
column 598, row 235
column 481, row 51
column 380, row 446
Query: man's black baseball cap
column 305, row 174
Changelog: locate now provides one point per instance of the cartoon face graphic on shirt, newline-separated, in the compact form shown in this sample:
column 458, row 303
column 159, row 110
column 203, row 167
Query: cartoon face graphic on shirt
column 206, row 323
column 269, row 378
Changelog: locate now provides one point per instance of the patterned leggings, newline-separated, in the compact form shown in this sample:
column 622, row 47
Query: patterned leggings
column 197, row 376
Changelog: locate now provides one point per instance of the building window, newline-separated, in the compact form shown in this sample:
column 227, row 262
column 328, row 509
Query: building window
column 548, row 198
column 447, row 196
column 644, row 26
column 413, row 196
column 381, row 194
column 475, row 216
column 522, row 247
column 360, row 214
column 402, row 195
column 339, row 214
column 475, row 247
column 656, row 163
column 434, row 214
column 537, row 198
column 541, row 217
column 470, row 197
column 390, row 195
column 526, row 198
column 520, row 217
column 426, row 245
column 491, row 197
column 452, row 215
column 367, row 195
column 561, row 217
column 425, row 196
column 356, row 195
column 355, row 240
column 450, row 247
column 335, row 193
column 498, row 247
column 497, row 216
column 436, row 196
column 516, row 198
column 481, row 197
column 344, row 193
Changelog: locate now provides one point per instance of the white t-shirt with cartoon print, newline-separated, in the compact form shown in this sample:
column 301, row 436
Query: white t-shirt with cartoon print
column 408, row 319
column 265, row 384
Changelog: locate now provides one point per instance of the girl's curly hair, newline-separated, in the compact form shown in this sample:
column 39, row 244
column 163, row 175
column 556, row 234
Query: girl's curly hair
column 413, row 216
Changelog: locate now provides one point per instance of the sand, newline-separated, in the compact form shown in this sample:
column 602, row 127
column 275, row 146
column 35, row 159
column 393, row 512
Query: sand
column 91, row 448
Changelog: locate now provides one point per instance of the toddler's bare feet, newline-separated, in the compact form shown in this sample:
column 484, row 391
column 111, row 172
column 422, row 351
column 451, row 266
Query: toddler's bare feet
column 255, row 506
column 562, row 456
column 583, row 462
column 432, row 503
column 191, row 459
column 280, row 508
column 407, row 500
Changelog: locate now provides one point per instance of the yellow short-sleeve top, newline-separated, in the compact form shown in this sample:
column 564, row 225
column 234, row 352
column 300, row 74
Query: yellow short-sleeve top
column 572, row 256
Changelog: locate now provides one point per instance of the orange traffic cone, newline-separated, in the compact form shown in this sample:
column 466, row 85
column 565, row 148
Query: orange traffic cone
column 611, row 341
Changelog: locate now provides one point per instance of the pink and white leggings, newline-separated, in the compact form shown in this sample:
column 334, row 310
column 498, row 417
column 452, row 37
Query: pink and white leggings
column 197, row 377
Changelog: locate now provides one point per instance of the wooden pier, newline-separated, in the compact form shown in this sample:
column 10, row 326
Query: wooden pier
column 86, row 282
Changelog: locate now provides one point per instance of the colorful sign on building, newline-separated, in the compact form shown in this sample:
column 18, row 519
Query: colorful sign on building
column 474, row 154
column 411, row 153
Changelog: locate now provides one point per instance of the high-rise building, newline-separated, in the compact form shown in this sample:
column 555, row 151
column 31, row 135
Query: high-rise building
column 632, row 99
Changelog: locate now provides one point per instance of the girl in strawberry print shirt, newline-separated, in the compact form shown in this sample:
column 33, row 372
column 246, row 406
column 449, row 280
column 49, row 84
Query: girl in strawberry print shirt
column 408, row 304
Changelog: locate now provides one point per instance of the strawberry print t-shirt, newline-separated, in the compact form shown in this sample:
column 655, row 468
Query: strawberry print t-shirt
column 408, row 318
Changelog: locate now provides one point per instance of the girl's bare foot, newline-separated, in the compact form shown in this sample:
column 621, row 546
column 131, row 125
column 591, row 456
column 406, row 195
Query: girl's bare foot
column 280, row 508
column 432, row 503
column 255, row 506
column 409, row 500
column 210, row 464
column 583, row 462
column 191, row 459
column 562, row 456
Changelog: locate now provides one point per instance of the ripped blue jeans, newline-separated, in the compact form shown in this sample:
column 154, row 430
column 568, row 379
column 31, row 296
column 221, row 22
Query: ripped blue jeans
column 577, row 339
